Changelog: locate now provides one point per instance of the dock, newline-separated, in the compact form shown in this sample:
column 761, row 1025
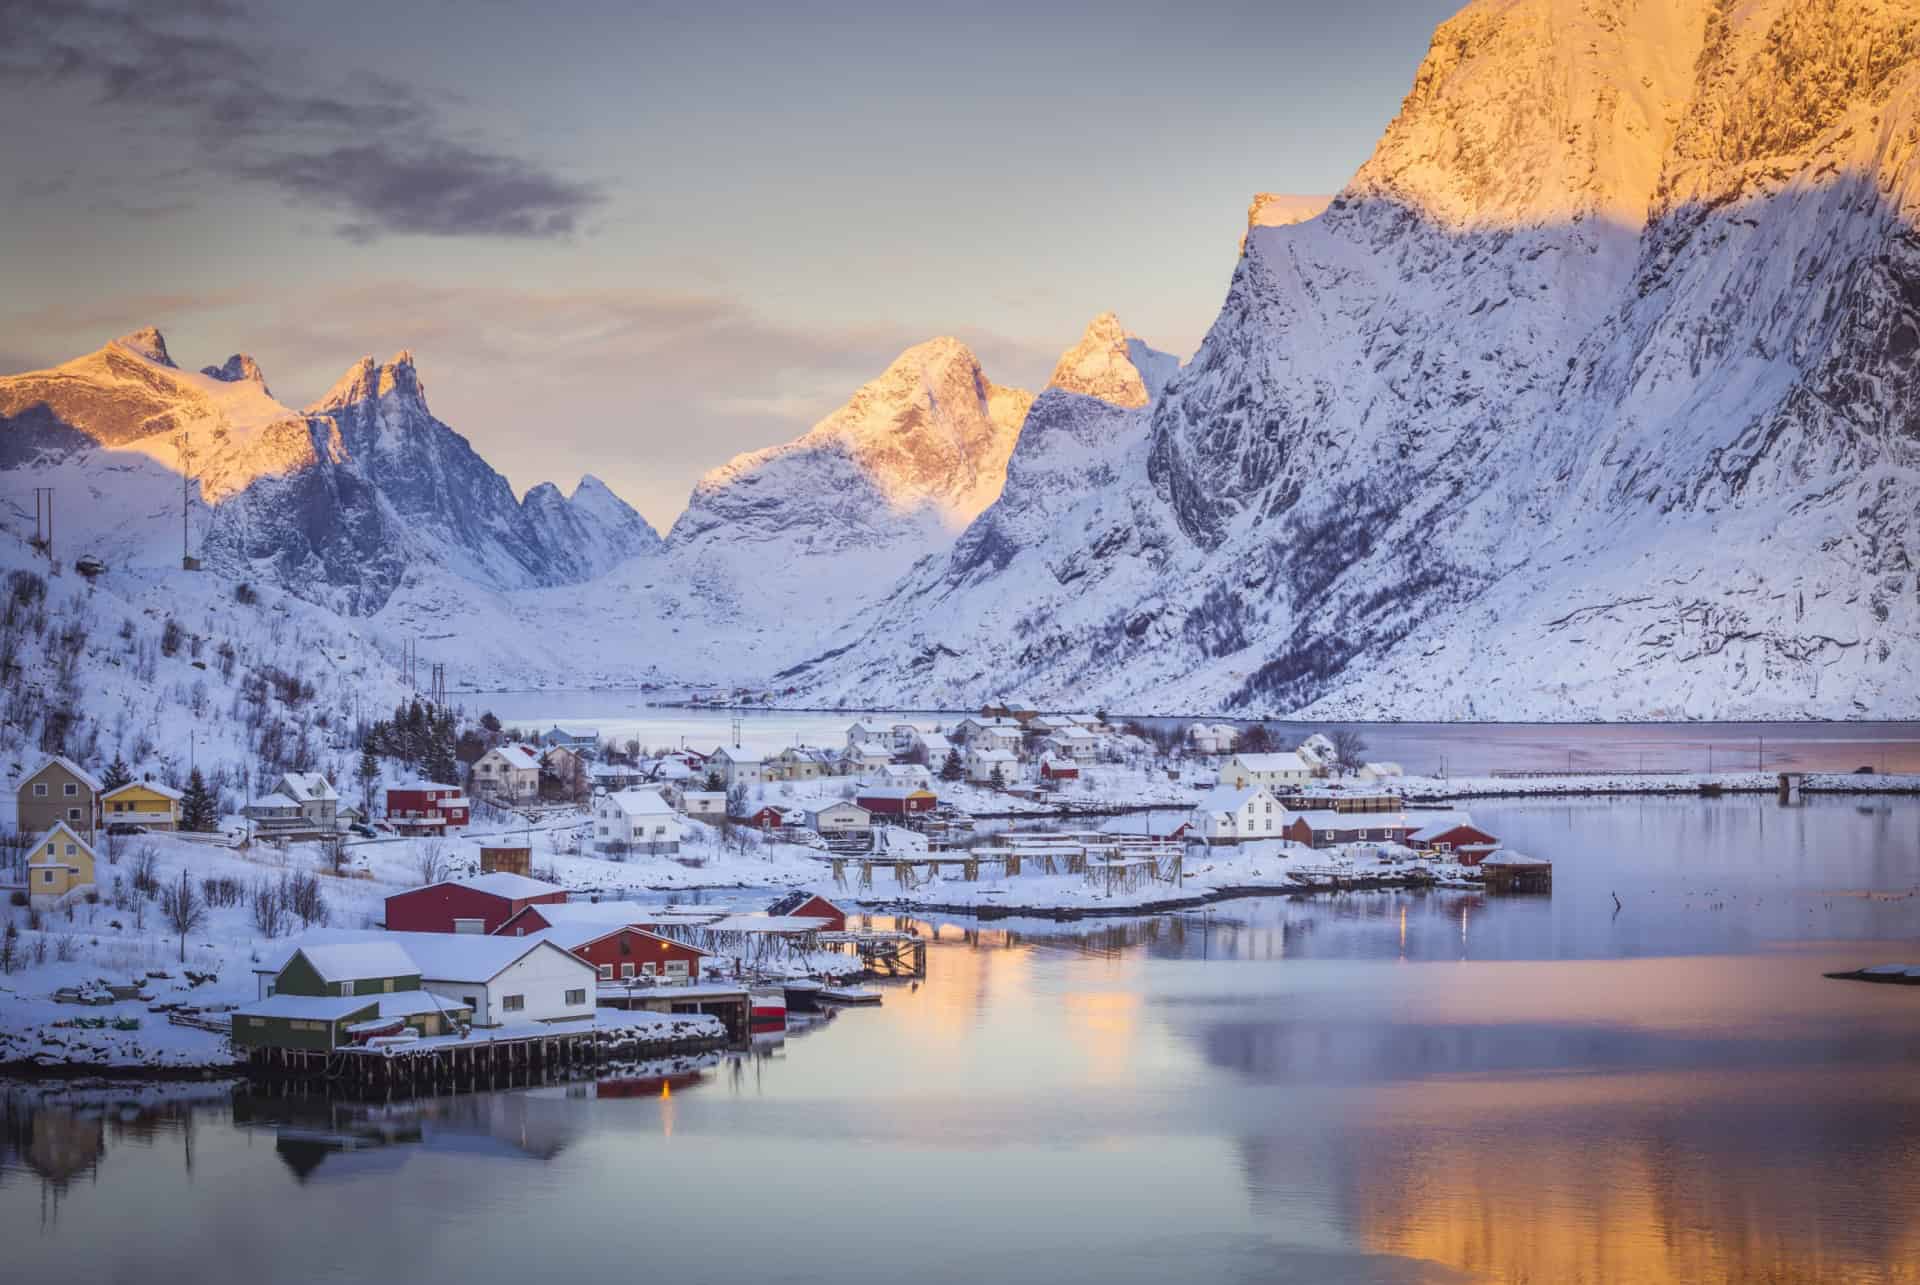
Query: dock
column 883, row 954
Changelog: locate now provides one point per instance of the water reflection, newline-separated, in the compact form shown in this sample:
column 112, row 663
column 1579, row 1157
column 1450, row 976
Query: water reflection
column 1368, row 1087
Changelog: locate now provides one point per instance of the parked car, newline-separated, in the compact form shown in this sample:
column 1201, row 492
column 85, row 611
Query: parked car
column 125, row 827
column 364, row 830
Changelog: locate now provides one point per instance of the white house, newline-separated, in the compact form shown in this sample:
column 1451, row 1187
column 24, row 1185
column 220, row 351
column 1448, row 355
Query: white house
column 1271, row 770
column 740, row 764
column 504, row 979
column 1235, row 814
column 1076, row 743
column 935, row 745
column 1380, row 771
column 868, row 756
column 706, row 805
column 902, row 737
column 319, row 803
column 991, row 733
column 506, row 774
column 981, row 765
column 861, row 733
column 1318, row 751
column 1212, row 738
column 840, row 818
column 636, row 819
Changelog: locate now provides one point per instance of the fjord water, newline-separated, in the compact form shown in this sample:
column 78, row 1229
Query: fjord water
column 1370, row 1087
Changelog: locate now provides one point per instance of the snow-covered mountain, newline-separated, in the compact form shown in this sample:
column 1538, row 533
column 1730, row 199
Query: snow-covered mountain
column 1592, row 394
column 339, row 503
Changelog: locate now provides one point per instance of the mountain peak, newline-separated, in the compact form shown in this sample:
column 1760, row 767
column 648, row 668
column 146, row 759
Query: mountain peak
column 366, row 380
column 237, row 368
column 1101, row 365
column 147, row 342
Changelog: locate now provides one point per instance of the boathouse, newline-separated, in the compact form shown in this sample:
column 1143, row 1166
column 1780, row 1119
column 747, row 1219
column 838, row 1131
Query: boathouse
column 1508, row 871
column 1326, row 829
column 809, row 905
column 473, row 904
column 1452, row 832
column 896, row 800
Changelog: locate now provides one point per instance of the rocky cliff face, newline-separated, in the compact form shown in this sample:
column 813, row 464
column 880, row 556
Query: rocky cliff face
column 1591, row 395
column 340, row 502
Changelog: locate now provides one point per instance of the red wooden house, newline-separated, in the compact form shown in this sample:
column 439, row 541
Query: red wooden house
column 426, row 806
column 475, row 904
column 1056, row 769
column 807, row 905
column 896, row 800
column 624, row 953
column 1452, row 832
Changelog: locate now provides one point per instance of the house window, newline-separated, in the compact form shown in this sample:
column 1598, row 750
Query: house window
column 577, row 997
column 346, row 988
column 606, row 972
column 73, row 814
column 647, row 969
column 513, row 1003
column 676, row 968
column 626, row 970
column 48, row 877
column 256, row 1021
column 70, row 789
column 70, row 849
column 387, row 985
column 39, row 789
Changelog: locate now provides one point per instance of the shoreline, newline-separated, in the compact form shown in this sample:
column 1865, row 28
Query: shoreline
column 1067, row 914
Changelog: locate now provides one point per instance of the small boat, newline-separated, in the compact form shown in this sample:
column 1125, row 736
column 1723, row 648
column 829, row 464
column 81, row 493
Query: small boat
column 769, row 1005
column 803, row 993
column 842, row 994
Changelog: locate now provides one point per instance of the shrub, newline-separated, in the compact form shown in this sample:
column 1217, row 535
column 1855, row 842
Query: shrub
column 171, row 636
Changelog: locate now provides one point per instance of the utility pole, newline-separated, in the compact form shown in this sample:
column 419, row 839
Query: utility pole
column 181, row 443
column 43, row 521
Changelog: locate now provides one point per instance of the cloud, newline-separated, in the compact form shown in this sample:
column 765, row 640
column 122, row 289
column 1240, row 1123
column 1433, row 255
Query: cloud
column 371, row 148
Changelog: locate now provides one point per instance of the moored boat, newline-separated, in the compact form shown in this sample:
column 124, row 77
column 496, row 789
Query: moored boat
column 803, row 993
column 847, row 994
column 768, row 1005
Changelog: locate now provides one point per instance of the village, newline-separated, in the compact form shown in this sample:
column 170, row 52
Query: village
column 547, row 901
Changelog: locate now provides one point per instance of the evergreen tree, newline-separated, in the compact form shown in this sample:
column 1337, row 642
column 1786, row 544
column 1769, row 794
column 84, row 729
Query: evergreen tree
column 368, row 773
column 999, row 778
column 199, row 810
column 437, row 760
column 714, row 782
column 116, row 775
column 951, row 770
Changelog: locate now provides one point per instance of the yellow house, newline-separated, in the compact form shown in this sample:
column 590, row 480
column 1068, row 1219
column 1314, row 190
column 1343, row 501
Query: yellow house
column 59, row 863
column 147, row 803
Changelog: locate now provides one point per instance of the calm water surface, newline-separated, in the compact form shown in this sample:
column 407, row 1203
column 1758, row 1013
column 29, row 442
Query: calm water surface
column 1374, row 1087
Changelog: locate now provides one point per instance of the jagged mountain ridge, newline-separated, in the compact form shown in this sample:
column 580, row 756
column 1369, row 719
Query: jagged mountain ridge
column 339, row 503
column 1590, row 396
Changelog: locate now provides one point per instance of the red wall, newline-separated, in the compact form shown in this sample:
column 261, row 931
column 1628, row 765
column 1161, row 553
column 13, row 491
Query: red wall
column 433, row 909
column 895, row 807
column 416, row 802
column 821, row 908
column 1461, row 834
column 643, row 947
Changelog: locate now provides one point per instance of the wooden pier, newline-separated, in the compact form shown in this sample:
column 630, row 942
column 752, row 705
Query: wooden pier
column 884, row 954
column 452, row 1064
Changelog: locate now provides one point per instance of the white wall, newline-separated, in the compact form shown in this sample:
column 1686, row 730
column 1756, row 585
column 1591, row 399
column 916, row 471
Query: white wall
column 544, row 976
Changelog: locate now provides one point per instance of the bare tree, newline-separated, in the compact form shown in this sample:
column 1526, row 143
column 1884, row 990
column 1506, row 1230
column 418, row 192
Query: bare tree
column 1348, row 746
column 181, row 907
column 430, row 860
column 146, row 878
column 269, row 910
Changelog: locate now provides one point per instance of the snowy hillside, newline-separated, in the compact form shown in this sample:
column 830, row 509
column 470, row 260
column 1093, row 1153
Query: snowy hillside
column 1075, row 529
column 1590, row 396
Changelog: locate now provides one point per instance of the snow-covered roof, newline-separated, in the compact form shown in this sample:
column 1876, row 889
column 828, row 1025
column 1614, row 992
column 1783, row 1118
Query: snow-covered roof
column 573, row 936
column 1428, row 825
column 794, row 900
column 1227, row 798
column 934, row 742
column 516, row 757
column 467, row 957
column 1508, row 857
column 352, row 961
column 270, row 803
column 423, row 785
column 1153, row 825
column 995, row 756
column 81, row 774
column 61, row 826
column 596, row 912
column 1287, row 761
column 638, row 801
column 154, row 787
column 1074, row 732
column 1326, row 819
column 505, row 883
column 309, row 1008
column 870, row 750
column 305, row 787
column 998, row 722
column 767, row 924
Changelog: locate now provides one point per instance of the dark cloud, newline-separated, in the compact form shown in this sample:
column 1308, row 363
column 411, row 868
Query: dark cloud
column 370, row 148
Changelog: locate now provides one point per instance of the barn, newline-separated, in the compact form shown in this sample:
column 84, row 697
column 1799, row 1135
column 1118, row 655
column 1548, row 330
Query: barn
column 807, row 905
column 474, row 904
column 1059, row 769
column 896, row 800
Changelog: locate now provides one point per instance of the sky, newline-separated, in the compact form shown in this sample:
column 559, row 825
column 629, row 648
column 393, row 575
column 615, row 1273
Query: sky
column 634, row 240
